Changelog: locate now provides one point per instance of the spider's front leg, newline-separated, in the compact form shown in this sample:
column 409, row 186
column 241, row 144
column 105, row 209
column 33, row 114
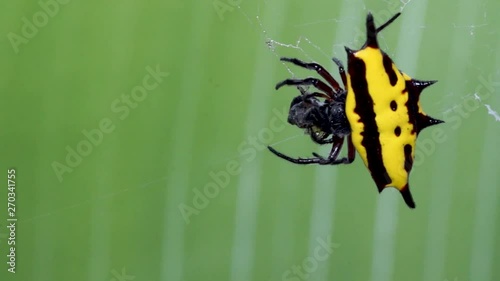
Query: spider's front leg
column 318, row 84
column 302, row 161
column 351, row 151
column 319, row 69
column 341, row 71
column 331, row 160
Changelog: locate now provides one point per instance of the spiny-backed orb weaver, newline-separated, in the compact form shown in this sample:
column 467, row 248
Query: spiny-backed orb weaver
column 379, row 112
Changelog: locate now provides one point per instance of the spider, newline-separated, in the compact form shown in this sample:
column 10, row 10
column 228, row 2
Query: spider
column 378, row 111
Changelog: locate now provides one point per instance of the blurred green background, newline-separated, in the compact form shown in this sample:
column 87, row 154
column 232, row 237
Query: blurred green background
column 128, row 207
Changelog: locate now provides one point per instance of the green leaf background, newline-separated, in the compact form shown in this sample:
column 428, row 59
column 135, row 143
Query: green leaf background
column 131, row 209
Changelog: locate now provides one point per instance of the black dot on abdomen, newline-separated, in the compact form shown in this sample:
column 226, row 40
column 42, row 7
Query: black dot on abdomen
column 397, row 131
column 394, row 105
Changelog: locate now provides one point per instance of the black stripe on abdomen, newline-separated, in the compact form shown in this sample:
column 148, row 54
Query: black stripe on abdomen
column 411, row 105
column 393, row 78
column 364, row 108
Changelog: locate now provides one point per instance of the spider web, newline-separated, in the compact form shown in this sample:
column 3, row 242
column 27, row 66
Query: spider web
column 452, row 100
column 308, row 50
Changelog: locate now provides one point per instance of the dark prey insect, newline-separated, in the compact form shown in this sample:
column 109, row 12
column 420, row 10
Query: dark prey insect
column 379, row 112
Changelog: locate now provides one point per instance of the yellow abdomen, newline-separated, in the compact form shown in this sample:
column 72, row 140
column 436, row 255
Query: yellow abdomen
column 377, row 110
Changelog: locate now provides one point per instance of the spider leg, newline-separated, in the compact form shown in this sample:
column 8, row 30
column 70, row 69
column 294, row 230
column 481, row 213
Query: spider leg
column 315, row 94
column 319, row 69
column 331, row 160
column 337, row 145
column 351, row 152
column 318, row 156
column 341, row 71
column 308, row 81
column 302, row 161
column 302, row 90
column 334, row 152
column 305, row 161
